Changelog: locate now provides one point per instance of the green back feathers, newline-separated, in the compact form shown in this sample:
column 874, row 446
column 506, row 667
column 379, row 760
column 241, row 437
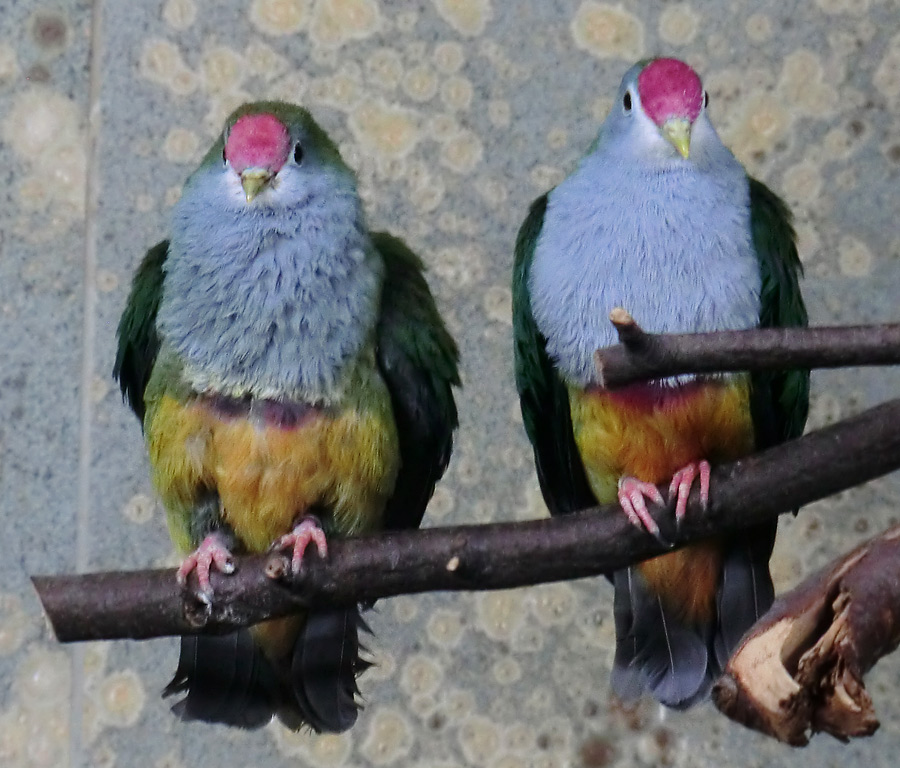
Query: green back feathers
column 780, row 399
column 533, row 378
column 418, row 360
column 138, row 340
column 409, row 317
column 543, row 396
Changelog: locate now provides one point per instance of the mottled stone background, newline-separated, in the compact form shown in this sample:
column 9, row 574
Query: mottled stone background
column 456, row 113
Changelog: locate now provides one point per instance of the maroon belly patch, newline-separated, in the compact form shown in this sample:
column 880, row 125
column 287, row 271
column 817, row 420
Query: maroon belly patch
column 280, row 414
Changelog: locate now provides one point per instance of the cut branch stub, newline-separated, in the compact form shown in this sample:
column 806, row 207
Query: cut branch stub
column 799, row 670
column 630, row 333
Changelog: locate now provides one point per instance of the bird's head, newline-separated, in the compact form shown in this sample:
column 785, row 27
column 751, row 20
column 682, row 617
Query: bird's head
column 256, row 148
column 660, row 102
column 273, row 154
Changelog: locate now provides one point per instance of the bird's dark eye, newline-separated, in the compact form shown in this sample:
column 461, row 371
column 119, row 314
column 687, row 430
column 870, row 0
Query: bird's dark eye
column 298, row 153
column 705, row 99
column 626, row 101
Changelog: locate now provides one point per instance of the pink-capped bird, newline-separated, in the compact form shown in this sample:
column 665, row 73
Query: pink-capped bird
column 661, row 219
column 294, row 380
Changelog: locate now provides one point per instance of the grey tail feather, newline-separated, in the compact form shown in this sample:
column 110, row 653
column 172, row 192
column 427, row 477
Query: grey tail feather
column 625, row 678
column 228, row 679
column 324, row 668
column 654, row 651
column 225, row 679
column 745, row 591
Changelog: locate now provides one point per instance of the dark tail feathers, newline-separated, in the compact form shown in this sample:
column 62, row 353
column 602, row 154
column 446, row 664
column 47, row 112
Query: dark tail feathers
column 745, row 590
column 228, row 679
column 324, row 669
column 678, row 664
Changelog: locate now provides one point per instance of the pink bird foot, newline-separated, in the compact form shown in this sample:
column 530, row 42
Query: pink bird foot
column 631, row 497
column 213, row 550
column 308, row 530
column 682, row 481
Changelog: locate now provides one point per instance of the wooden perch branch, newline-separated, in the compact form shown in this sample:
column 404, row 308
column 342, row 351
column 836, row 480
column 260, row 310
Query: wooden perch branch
column 497, row 556
column 641, row 355
column 799, row 670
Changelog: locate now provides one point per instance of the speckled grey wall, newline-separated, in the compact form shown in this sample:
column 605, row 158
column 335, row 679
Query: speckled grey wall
column 456, row 113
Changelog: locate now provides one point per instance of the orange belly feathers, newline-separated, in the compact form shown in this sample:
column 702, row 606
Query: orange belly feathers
column 649, row 432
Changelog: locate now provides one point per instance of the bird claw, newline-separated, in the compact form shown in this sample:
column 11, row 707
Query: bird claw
column 631, row 498
column 683, row 480
column 213, row 551
column 307, row 531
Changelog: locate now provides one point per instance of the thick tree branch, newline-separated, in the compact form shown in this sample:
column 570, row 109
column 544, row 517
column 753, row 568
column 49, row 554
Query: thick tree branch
column 641, row 356
column 799, row 670
column 497, row 556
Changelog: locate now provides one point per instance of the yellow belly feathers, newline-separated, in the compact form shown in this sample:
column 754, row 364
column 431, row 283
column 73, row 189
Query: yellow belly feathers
column 343, row 458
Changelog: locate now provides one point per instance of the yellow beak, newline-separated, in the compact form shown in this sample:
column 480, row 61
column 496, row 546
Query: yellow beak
column 253, row 180
column 677, row 131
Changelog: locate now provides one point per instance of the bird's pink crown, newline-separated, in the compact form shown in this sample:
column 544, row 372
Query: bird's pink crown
column 258, row 141
column 670, row 88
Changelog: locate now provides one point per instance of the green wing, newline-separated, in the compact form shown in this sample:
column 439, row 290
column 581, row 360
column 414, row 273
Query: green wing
column 780, row 400
column 138, row 340
column 418, row 360
column 542, row 394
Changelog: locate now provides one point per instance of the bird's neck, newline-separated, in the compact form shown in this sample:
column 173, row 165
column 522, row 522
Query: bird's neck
column 278, row 305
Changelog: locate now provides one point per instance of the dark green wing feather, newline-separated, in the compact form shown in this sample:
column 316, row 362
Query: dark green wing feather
column 138, row 340
column 780, row 400
column 542, row 394
column 418, row 360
